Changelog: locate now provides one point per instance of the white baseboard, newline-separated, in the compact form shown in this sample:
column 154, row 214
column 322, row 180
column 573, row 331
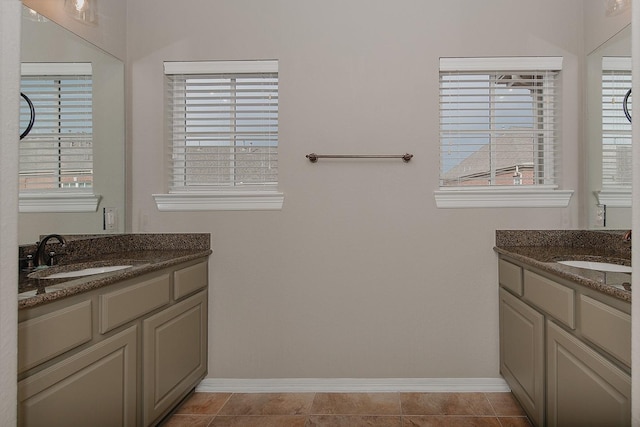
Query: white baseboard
column 352, row 385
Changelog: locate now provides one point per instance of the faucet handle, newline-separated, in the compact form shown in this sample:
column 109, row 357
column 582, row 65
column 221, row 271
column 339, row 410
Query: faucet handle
column 52, row 259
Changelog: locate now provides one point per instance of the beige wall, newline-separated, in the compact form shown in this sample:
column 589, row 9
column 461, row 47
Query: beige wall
column 9, row 105
column 359, row 275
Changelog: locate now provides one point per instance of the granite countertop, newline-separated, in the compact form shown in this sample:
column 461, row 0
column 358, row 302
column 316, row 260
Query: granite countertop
column 144, row 252
column 543, row 248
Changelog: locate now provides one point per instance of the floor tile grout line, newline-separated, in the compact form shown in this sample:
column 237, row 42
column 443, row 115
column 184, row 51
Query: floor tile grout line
column 493, row 408
column 313, row 401
column 223, row 405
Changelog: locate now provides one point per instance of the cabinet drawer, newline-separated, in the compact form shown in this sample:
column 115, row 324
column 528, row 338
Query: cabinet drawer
column 510, row 276
column 188, row 280
column 607, row 327
column 552, row 297
column 47, row 336
column 127, row 304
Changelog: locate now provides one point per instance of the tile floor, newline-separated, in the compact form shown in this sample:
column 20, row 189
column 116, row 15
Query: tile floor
column 349, row 410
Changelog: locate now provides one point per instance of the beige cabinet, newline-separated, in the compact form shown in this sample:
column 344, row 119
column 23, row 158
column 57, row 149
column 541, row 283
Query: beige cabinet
column 174, row 353
column 95, row 387
column 122, row 355
column 565, row 350
column 522, row 353
column 584, row 389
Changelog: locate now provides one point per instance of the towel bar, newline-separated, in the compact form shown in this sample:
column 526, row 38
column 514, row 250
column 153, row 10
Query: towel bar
column 313, row 157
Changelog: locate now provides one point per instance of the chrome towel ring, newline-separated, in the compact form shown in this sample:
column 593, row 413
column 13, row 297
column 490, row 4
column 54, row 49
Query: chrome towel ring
column 625, row 106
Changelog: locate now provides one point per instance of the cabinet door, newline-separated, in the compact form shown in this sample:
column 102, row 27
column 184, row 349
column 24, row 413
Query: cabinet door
column 96, row 387
column 174, row 354
column 522, row 353
column 584, row 389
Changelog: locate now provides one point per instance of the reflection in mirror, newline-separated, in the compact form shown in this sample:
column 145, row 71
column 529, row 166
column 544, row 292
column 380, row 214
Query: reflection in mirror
column 56, row 154
column 85, row 176
column 616, row 128
column 608, row 134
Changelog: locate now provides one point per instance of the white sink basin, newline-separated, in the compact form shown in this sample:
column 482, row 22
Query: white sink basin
column 85, row 272
column 599, row 266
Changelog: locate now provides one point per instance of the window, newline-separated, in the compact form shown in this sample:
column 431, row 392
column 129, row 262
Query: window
column 616, row 129
column 499, row 130
column 223, row 130
column 56, row 157
column 58, row 152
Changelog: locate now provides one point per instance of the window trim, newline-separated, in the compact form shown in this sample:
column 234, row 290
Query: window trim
column 221, row 201
column 542, row 196
column 58, row 202
column 224, row 199
column 614, row 198
column 503, row 197
column 511, row 63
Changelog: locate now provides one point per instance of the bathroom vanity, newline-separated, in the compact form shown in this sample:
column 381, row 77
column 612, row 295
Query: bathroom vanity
column 120, row 348
column 565, row 332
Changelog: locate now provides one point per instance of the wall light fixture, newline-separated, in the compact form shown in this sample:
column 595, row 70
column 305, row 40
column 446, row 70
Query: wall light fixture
column 82, row 10
column 616, row 7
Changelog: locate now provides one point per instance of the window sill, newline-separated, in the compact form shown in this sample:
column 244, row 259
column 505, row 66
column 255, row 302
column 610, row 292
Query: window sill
column 62, row 202
column 614, row 198
column 222, row 201
column 502, row 198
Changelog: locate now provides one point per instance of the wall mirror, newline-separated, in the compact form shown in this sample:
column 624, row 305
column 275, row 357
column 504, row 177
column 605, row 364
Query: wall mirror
column 608, row 134
column 48, row 45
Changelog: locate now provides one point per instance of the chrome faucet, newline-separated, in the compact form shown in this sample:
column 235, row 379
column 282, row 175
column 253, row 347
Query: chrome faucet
column 627, row 236
column 40, row 252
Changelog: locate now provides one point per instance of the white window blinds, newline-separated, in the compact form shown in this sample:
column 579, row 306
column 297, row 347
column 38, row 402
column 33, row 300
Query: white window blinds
column 616, row 129
column 57, row 155
column 499, row 121
column 222, row 125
